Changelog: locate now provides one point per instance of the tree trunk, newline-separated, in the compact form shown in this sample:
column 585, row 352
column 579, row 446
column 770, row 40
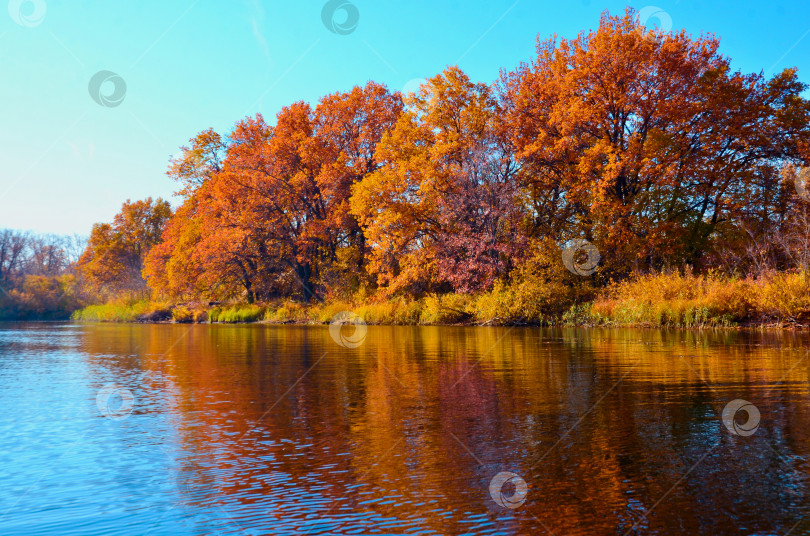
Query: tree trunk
column 304, row 273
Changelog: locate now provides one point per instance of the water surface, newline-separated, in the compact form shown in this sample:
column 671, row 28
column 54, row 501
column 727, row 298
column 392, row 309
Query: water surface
column 262, row 429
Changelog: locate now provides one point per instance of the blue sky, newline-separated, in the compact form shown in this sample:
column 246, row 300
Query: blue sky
column 68, row 161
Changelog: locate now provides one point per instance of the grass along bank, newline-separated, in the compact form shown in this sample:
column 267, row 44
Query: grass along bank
column 658, row 300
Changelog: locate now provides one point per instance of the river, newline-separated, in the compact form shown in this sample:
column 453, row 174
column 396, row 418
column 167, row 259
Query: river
column 257, row 429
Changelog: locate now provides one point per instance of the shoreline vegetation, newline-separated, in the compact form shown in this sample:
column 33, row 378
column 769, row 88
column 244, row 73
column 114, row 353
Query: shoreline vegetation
column 625, row 177
column 657, row 301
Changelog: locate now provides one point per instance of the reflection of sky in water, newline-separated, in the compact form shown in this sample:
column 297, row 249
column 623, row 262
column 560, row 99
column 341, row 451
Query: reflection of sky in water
column 277, row 429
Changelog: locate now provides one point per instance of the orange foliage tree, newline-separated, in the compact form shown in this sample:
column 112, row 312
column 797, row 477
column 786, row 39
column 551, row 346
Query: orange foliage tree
column 274, row 217
column 173, row 267
column 649, row 144
column 114, row 259
column 442, row 211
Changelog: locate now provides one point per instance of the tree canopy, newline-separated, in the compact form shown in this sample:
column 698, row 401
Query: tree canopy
column 646, row 145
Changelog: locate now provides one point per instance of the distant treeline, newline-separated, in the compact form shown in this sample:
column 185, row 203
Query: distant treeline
column 645, row 150
column 37, row 275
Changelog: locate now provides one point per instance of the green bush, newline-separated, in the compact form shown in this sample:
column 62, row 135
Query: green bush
column 236, row 314
column 143, row 310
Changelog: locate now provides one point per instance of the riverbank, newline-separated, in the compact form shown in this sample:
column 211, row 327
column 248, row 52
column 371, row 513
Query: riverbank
column 660, row 300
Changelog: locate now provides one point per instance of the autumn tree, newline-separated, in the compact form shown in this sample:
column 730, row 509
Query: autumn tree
column 198, row 162
column 274, row 213
column 113, row 261
column 648, row 144
column 210, row 247
column 442, row 212
column 347, row 131
column 173, row 267
column 268, row 191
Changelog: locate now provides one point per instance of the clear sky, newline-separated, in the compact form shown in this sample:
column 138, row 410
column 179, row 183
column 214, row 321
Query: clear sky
column 69, row 160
